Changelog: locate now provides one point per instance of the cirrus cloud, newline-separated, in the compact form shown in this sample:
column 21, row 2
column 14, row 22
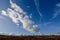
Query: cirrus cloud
column 58, row 4
column 57, row 11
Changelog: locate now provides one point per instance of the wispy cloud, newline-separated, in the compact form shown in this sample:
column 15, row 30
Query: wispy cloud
column 13, row 34
column 56, row 33
column 45, row 24
column 37, row 6
column 58, row 4
column 55, row 15
column 18, row 34
column 17, row 15
column 57, row 11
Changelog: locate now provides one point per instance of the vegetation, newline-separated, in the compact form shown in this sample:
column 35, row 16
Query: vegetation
column 51, row 37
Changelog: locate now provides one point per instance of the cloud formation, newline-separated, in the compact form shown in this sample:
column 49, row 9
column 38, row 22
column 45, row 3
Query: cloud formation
column 56, row 33
column 58, row 4
column 57, row 11
column 17, row 15
column 13, row 34
column 38, row 7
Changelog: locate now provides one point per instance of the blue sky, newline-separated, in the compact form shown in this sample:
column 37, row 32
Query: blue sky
column 30, row 17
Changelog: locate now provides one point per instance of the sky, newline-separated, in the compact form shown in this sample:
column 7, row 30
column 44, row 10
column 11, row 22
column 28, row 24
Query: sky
column 30, row 17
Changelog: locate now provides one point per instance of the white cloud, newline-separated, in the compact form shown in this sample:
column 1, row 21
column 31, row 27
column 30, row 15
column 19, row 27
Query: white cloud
column 13, row 34
column 16, row 7
column 18, row 15
column 4, row 33
column 4, row 13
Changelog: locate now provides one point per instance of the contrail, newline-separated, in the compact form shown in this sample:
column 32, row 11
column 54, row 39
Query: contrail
column 37, row 6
